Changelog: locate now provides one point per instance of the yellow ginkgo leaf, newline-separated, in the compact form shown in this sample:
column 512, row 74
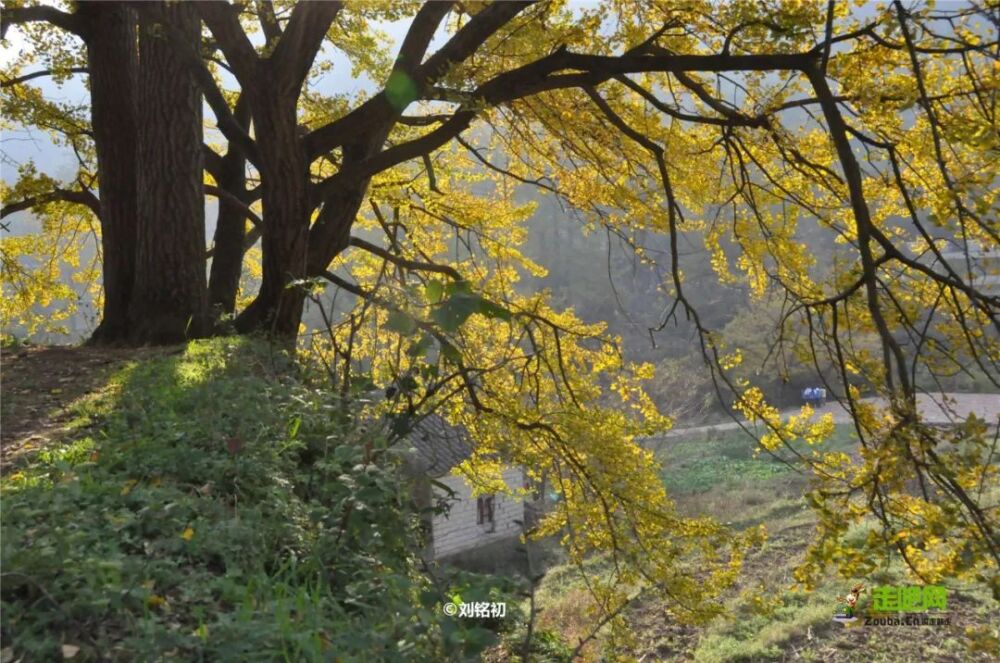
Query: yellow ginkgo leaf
column 187, row 534
column 155, row 601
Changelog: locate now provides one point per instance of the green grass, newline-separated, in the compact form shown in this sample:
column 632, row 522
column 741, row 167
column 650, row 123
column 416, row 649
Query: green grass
column 704, row 461
column 721, row 474
column 210, row 505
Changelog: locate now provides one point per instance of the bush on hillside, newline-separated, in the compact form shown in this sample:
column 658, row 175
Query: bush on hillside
column 211, row 506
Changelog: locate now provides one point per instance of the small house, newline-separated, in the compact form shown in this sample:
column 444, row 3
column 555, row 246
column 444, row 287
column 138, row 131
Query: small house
column 470, row 522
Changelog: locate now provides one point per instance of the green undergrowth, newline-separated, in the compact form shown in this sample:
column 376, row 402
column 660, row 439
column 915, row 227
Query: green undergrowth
column 767, row 616
column 210, row 505
column 771, row 620
column 703, row 461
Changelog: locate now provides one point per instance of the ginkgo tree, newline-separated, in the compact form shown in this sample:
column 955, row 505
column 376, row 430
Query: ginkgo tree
column 746, row 122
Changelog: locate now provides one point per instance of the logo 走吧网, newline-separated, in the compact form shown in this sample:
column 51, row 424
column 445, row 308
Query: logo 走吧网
column 891, row 605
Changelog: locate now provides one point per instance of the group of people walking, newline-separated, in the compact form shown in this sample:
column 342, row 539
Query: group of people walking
column 814, row 396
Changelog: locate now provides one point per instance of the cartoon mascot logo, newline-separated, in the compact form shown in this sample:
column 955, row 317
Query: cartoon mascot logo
column 846, row 616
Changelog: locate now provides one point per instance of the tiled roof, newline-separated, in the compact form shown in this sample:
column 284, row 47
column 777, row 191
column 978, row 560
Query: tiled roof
column 440, row 445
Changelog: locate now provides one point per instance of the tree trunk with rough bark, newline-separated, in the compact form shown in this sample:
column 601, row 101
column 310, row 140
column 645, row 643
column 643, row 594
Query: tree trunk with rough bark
column 332, row 232
column 230, row 227
column 170, row 298
column 284, row 168
column 113, row 61
column 230, row 233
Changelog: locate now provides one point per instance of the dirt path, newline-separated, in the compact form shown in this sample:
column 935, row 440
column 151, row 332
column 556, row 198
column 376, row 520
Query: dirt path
column 38, row 384
column 935, row 409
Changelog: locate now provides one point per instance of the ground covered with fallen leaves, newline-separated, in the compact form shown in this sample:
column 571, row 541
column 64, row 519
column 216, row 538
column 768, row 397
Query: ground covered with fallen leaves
column 40, row 384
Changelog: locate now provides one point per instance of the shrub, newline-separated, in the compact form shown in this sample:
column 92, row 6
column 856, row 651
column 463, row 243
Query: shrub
column 221, row 509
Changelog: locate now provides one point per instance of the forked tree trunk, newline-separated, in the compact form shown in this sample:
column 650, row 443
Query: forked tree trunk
column 113, row 58
column 169, row 299
column 332, row 232
column 284, row 168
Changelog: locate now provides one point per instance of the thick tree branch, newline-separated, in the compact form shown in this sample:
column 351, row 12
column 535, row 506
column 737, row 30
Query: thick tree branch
column 223, row 20
column 470, row 37
column 268, row 21
column 379, row 109
column 537, row 77
column 419, row 36
column 84, row 197
column 296, row 50
column 422, row 120
column 213, row 161
column 233, row 199
column 17, row 15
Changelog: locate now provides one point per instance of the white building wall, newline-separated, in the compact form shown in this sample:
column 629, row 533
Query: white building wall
column 459, row 530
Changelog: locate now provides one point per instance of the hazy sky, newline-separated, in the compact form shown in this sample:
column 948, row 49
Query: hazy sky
column 20, row 146
column 17, row 147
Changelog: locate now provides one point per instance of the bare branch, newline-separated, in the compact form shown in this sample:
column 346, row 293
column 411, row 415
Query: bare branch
column 17, row 15
column 414, row 265
column 730, row 120
column 38, row 74
column 234, row 200
column 85, row 197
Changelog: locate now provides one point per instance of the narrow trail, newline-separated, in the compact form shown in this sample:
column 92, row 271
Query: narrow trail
column 38, row 384
column 934, row 408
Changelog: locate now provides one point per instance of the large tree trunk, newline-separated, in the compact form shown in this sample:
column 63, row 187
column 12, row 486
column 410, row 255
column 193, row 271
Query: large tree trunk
column 291, row 249
column 230, row 227
column 113, row 58
column 169, row 300
column 284, row 168
column 332, row 231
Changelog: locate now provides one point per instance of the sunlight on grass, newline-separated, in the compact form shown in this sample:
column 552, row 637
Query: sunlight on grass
column 152, row 534
column 701, row 461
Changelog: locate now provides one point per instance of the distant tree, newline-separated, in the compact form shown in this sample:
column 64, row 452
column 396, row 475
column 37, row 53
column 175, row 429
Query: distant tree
column 746, row 123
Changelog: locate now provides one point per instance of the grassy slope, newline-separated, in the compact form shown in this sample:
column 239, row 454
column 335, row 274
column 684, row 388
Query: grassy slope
column 719, row 474
column 208, row 505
